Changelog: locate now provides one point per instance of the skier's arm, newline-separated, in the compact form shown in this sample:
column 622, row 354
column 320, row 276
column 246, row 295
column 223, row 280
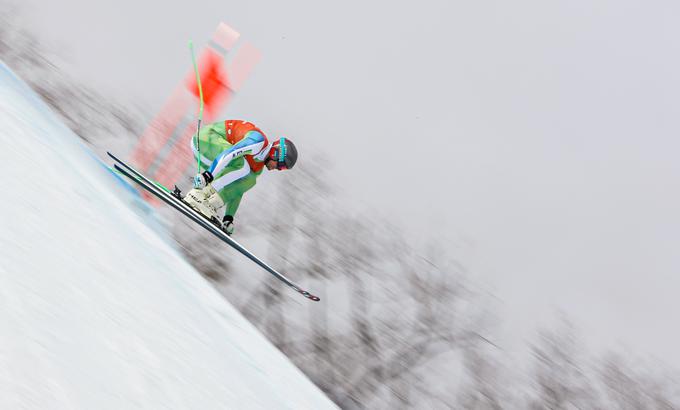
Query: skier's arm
column 251, row 144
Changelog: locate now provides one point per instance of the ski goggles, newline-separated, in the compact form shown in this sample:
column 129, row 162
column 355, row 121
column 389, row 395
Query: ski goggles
column 281, row 166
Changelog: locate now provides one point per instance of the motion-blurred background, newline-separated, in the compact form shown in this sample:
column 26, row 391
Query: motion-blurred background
column 484, row 199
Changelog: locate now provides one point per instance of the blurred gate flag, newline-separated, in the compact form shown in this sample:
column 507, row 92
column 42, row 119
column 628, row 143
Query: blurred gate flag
column 163, row 151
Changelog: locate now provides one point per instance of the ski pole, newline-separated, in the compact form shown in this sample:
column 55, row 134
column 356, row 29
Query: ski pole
column 200, row 112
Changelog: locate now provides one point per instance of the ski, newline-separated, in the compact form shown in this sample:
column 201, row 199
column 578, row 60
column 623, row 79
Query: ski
column 169, row 198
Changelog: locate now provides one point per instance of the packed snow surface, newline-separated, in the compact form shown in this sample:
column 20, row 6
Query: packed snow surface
column 98, row 309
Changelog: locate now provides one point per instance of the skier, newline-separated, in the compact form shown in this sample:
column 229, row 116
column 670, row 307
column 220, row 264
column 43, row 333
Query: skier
column 233, row 153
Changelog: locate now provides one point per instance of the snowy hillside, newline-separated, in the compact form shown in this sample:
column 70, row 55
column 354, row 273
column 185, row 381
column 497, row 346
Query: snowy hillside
column 98, row 310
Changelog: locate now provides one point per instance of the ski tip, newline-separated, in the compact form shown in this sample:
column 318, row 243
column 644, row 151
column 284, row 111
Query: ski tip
column 310, row 296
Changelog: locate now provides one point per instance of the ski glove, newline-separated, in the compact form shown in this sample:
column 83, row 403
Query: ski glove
column 203, row 179
column 228, row 224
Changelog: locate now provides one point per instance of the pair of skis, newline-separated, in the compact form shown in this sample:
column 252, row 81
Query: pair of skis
column 175, row 201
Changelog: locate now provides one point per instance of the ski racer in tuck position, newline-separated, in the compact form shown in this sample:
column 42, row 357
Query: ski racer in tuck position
column 233, row 153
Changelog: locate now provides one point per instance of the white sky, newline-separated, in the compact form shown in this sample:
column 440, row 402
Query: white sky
column 540, row 135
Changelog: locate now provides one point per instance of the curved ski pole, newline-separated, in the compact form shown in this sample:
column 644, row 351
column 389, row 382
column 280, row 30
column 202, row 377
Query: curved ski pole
column 200, row 112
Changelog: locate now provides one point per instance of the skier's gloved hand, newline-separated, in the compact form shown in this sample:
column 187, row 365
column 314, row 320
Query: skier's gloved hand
column 228, row 224
column 203, row 179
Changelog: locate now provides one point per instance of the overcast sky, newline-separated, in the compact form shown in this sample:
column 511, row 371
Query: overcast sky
column 540, row 137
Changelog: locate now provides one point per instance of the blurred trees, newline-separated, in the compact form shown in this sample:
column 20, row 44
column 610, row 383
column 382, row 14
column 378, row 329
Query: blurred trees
column 97, row 119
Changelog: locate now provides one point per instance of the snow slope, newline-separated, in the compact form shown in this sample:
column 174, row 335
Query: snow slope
column 98, row 310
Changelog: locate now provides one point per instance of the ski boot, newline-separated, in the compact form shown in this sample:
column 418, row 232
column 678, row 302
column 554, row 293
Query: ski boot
column 214, row 202
column 205, row 201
